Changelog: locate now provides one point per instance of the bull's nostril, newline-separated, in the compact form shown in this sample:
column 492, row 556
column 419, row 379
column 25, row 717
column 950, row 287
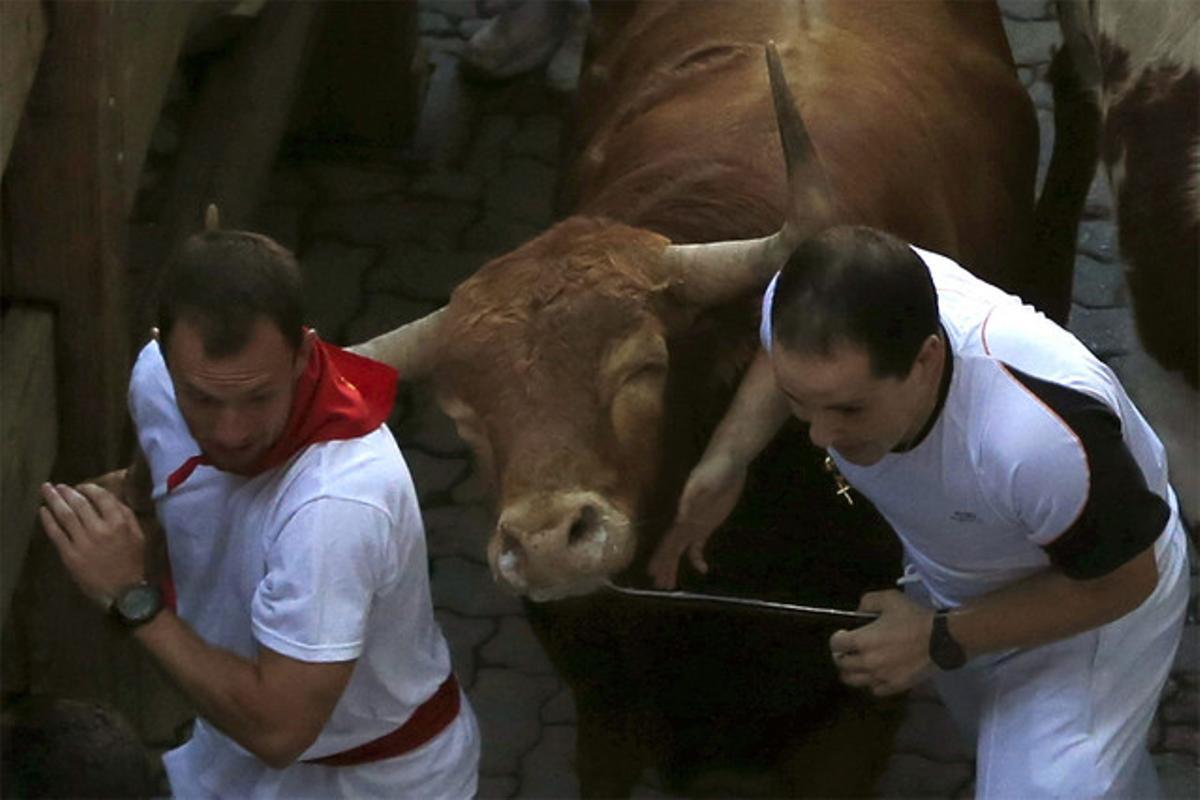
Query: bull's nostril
column 509, row 543
column 583, row 525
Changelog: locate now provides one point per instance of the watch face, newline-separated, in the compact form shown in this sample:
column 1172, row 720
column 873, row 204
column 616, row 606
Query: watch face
column 138, row 603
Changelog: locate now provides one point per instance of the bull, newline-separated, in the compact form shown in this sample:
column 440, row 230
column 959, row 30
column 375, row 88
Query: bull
column 587, row 368
column 1127, row 96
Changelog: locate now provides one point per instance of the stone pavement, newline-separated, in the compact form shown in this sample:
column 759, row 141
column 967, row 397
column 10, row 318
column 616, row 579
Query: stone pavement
column 384, row 237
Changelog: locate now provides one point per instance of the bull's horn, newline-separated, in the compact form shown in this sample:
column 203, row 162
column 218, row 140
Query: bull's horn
column 716, row 272
column 212, row 218
column 410, row 349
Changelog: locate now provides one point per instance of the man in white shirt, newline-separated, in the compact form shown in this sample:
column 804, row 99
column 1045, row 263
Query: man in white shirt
column 1029, row 494
column 303, row 627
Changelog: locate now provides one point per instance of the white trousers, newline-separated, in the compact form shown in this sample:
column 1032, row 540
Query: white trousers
column 211, row 767
column 1069, row 719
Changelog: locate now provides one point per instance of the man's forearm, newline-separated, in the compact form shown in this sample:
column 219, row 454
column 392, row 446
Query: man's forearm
column 1049, row 606
column 756, row 414
column 227, row 689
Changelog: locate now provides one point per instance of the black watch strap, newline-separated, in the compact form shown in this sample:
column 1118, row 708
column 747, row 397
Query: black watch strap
column 944, row 651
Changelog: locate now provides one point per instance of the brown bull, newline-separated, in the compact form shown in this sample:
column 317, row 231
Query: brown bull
column 553, row 360
column 588, row 367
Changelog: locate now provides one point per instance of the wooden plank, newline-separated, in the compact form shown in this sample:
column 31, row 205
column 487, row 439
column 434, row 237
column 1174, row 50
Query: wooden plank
column 64, row 211
column 235, row 131
column 64, row 224
column 150, row 36
column 29, row 430
column 22, row 37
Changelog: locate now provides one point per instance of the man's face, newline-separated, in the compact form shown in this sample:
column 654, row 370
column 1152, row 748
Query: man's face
column 848, row 409
column 235, row 406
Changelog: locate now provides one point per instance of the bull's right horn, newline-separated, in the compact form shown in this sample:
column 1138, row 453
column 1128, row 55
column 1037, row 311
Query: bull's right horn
column 713, row 273
column 410, row 349
column 212, row 218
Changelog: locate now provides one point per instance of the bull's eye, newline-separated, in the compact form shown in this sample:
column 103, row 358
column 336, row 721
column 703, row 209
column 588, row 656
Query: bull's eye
column 647, row 372
column 637, row 406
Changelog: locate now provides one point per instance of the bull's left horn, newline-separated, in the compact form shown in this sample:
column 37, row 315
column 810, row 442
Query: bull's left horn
column 716, row 272
column 411, row 349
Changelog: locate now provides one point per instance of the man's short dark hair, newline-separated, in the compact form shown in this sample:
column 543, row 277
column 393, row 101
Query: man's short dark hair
column 858, row 286
column 222, row 281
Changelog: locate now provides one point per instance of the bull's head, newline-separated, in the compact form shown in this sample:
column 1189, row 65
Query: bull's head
column 553, row 363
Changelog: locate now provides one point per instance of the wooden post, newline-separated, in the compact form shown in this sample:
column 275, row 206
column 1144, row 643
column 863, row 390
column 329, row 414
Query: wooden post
column 64, row 199
column 29, row 429
column 240, row 118
column 70, row 182
column 22, row 36
column 151, row 35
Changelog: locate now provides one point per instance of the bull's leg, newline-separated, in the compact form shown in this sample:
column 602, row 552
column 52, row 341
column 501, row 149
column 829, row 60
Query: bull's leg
column 847, row 757
column 609, row 751
column 1068, row 177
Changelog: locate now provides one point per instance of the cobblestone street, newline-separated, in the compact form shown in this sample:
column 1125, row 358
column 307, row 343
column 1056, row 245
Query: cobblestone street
column 384, row 238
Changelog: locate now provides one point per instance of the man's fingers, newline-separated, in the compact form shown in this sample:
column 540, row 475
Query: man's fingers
column 843, row 641
column 102, row 500
column 665, row 574
column 850, row 663
column 664, row 565
column 130, row 518
column 682, row 536
column 64, row 514
column 82, row 507
column 856, row 678
column 878, row 602
column 59, row 537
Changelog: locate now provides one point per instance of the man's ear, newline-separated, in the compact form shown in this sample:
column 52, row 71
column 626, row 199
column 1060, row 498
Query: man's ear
column 307, row 342
column 931, row 350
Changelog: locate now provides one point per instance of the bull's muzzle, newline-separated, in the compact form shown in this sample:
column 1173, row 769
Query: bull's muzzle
column 554, row 545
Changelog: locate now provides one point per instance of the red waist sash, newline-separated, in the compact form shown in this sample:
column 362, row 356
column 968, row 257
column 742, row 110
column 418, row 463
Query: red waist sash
column 430, row 719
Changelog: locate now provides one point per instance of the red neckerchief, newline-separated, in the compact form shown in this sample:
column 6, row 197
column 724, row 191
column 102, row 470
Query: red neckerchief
column 339, row 395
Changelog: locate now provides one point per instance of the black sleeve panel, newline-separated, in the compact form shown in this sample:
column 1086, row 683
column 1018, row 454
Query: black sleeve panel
column 1121, row 517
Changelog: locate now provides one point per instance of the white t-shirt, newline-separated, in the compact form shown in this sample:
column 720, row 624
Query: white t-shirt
column 1035, row 457
column 320, row 559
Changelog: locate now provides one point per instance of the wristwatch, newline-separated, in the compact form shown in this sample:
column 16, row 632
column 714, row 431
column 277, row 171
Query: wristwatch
column 137, row 604
column 944, row 651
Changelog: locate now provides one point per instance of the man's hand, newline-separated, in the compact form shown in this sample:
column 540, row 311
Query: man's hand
column 891, row 654
column 97, row 537
column 711, row 492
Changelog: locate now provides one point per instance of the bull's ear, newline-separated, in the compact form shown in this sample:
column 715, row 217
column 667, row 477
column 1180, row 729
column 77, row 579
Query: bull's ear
column 410, row 349
column 717, row 272
column 673, row 307
column 473, row 432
